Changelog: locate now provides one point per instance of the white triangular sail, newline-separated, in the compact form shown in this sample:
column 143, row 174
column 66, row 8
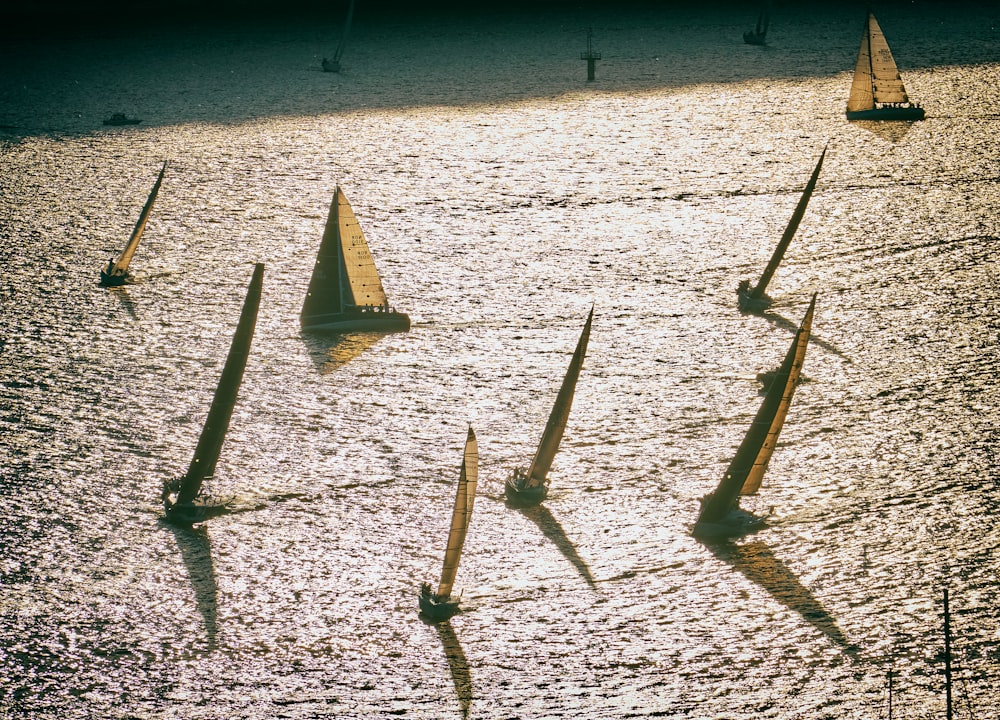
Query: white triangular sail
column 559, row 416
column 122, row 263
column 363, row 287
column 876, row 77
column 465, row 498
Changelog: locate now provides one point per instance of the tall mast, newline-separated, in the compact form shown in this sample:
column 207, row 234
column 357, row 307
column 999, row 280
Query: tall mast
column 947, row 656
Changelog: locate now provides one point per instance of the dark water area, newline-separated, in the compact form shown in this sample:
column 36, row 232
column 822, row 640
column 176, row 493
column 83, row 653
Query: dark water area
column 502, row 195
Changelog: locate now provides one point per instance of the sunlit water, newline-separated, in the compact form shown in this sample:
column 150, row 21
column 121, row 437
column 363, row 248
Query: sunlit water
column 502, row 196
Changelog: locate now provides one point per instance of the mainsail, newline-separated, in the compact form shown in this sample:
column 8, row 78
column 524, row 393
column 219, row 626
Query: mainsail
column 345, row 273
column 556, row 424
column 122, row 263
column 745, row 472
column 465, row 497
column 343, row 37
column 206, row 454
column 786, row 238
column 876, row 77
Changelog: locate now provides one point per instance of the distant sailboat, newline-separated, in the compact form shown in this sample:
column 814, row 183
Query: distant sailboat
column 441, row 605
column 345, row 292
column 117, row 270
column 334, row 64
column 720, row 514
column 877, row 91
column 755, row 299
column 758, row 36
column 188, row 504
column 532, row 487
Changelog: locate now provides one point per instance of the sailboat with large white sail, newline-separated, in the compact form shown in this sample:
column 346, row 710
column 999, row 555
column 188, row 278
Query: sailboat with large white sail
column 345, row 292
column 532, row 487
column 183, row 500
column 441, row 605
column 116, row 272
column 720, row 514
column 755, row 299
column 333, row 65
column 877, row 91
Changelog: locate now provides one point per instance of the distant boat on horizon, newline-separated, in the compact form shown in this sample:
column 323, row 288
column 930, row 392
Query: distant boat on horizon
column 532, row 487
column 721, row 515
column 116, row 273
column 121, row 119
column 333, row 65
column 758, row 36
column 440, row 605
column 754, row 299
column 877, row 91
column 345, row 291
column 183, row 500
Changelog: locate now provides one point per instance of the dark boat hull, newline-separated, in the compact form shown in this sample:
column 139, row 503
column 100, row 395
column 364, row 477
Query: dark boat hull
column 736, row 523
column 887, row 113
column 436, row 609
column 112, row 280
column 749, row 303
column 368, row 320
column 331, row 65
column 752, row 38
column 187, row 514
column 521, row 496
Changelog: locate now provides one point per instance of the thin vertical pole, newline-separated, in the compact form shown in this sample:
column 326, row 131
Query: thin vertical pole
column 947, row 655
column 889, row 676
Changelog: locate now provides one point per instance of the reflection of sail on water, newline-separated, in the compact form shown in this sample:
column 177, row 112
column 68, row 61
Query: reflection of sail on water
column 465, row 498
column 458, row 666
column 206, row 454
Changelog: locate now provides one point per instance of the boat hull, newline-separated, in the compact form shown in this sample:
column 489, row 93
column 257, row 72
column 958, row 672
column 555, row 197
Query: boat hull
column 359, row 321
column 331, row 65
column 187, row 514
column 112, row 280
column 521, row 496
column 736, row 523
column 751, row 304
column 752, row 38
column 436, row 609
column 887, row 113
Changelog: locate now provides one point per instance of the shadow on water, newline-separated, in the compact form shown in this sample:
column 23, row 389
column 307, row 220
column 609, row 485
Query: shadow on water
column 196, row 552
column 891, row 132
column 330, row 352
column 758, row 563
column 785, row 324
column 551, row 528
column 458, row 666
column 123, row 297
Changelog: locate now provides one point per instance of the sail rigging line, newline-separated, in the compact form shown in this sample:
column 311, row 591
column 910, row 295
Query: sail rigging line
column 213, row 434
column 793, row 225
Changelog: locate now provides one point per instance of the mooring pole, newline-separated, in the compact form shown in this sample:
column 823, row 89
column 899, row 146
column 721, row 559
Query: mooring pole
column 947, row 655
column 590, row 56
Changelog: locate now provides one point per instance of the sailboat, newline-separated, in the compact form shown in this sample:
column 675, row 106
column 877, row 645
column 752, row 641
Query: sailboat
column 720, row 514
column 755, row 299
column 532, row 487
column 441, row 605
column 877, row 91
column 345, row 292
column 117, row 270
column 183, row 500
column 758, row 36
column 334, row 64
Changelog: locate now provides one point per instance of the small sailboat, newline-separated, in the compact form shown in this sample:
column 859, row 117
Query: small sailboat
column 441, row 605
column 117, row 270
column 532, row 487
column 334, row 64
column 755, row 299
column 183, row 501
column 345, row 292
column 720, row 514
column 121, row 119
column 877, row 91
column 758, row 36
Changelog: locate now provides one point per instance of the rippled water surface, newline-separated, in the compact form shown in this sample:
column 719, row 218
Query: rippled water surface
column 502, row 196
